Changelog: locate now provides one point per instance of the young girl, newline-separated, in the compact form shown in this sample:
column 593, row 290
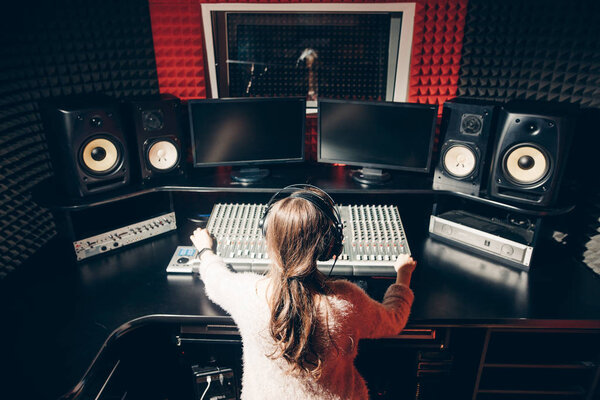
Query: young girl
column 300, row 330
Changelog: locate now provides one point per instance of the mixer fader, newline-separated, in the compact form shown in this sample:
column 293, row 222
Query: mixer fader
column 373, row 239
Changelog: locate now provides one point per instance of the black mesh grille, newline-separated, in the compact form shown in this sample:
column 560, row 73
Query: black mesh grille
column 352, row 54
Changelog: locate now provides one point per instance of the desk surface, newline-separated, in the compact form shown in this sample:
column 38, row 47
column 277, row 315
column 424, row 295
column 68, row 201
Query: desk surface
column 56, row 315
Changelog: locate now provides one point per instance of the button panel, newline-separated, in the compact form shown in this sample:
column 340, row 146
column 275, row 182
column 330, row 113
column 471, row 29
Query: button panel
column 124, row 236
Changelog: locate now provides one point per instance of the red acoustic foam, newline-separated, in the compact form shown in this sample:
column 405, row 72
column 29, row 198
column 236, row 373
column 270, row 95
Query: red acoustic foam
column 436, row 51
column 178, row 47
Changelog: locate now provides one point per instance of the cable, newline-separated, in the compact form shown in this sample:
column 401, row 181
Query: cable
column 208, row 380
column 332, row 265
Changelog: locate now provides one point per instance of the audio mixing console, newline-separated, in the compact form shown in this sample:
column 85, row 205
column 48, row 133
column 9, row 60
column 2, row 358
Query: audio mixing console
column 373, row 239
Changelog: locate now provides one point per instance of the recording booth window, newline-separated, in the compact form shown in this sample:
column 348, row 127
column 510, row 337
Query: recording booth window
column 356, row 51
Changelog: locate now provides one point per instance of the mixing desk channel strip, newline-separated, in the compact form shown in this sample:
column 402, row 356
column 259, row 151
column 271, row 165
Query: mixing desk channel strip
column 373, row 239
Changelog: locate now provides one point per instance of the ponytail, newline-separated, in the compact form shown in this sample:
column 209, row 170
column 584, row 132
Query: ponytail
column 293, row 322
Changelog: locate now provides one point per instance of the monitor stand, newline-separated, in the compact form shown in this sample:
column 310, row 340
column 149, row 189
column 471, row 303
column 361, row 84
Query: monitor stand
column 370, row 176
column 249, row 175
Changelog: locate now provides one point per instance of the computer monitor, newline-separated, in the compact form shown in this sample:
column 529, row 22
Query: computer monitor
column 247, row 132
column 376, row 135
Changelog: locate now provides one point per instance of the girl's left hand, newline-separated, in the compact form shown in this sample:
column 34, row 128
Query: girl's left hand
column 202, row 239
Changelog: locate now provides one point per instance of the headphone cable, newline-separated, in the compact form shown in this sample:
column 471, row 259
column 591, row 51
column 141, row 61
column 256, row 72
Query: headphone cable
column 332, row 265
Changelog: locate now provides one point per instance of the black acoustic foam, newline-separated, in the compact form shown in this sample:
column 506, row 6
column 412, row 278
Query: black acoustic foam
column 535, row 50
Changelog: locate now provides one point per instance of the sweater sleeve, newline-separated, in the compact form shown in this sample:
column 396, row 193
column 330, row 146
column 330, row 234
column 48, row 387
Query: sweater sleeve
column 225, row 287
column 375, row 319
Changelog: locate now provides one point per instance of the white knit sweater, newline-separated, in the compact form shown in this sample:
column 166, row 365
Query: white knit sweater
column 349, row 312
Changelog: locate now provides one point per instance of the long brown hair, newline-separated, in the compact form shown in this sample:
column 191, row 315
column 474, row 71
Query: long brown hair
column 297, row 233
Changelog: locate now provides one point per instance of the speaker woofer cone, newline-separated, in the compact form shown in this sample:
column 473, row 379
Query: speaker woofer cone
column 459, row 161
column 100, row 155
column 526, row 164
column 162, row 155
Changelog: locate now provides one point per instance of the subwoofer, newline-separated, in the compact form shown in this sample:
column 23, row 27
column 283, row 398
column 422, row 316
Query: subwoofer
column 531, row 152
column 466, row 128
column 86, row 143
column 156, row 122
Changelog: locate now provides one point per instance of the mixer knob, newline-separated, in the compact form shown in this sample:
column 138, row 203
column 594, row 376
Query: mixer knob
column 386, row 257
column 379, row 258
column 372, row 257
column 358, row 257
column 252, row 255
column 393, row 257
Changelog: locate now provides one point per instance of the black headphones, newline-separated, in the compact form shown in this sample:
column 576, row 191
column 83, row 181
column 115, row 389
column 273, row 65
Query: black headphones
column 325, row 204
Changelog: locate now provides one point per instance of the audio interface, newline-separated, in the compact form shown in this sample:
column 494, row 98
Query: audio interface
column 124, row 236
column 485, row 236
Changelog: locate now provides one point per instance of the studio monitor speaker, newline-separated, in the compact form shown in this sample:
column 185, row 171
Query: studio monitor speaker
column 465, row 135
column 156, row 122
column 87, row 146
column 531, row 151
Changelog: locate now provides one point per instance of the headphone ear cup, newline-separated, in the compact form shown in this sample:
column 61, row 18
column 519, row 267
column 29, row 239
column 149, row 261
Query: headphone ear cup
column 335, row 245
column 338, row 246
column 262, row 222
column 328, row 248
column 263, row 226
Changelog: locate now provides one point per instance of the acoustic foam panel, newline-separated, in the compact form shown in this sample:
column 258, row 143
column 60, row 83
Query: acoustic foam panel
column 178, row 46
column 436, row 52
column 535, row 50
column 50, row 49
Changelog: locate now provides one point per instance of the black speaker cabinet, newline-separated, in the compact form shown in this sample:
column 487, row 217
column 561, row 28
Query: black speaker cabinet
column 87, row 147
column 465, row 136
column 156, row 122
column 530, row 154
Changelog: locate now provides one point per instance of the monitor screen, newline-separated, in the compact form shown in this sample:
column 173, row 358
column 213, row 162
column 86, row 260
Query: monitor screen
column 247, row 130
column 377, row 134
